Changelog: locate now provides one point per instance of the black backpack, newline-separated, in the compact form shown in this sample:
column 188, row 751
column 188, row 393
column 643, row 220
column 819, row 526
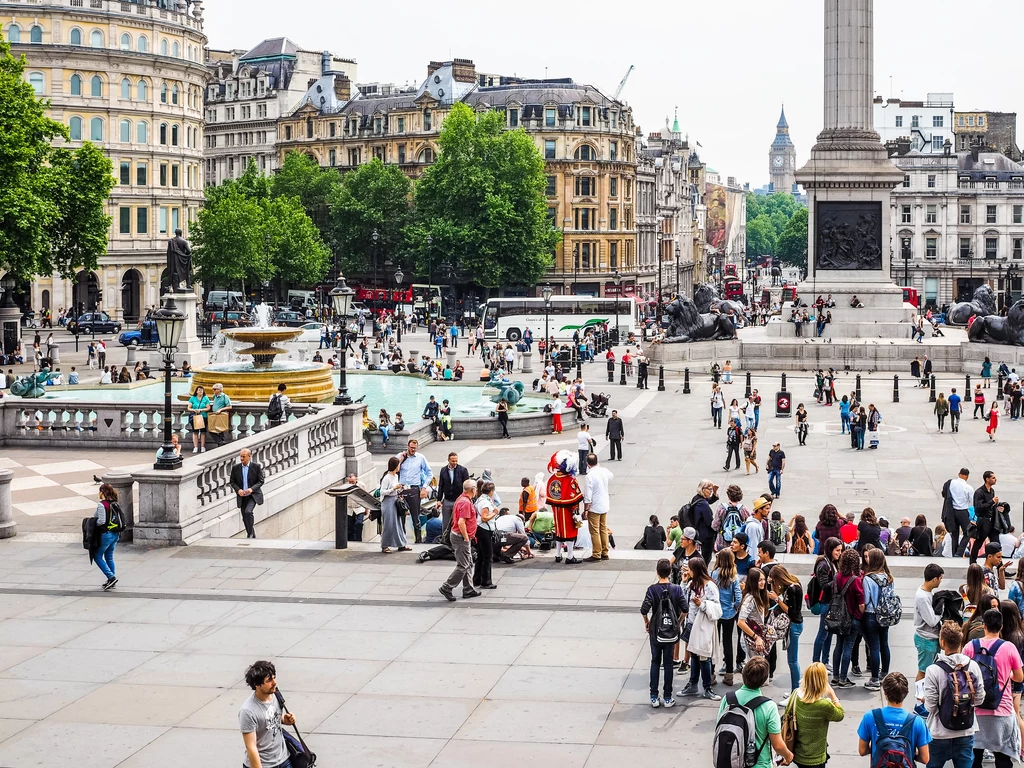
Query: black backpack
column 666, row 618
column 686, row 516
column 274, row 409
column 838, row 620
column 956, row 697
column 986, row 659
column 948, row 605
column 115, row 519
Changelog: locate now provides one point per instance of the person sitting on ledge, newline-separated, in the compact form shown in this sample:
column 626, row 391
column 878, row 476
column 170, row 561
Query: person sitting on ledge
column 855, row 303
column 830, row 302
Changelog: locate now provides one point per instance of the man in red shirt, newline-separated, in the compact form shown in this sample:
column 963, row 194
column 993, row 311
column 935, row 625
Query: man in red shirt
column 463, row 533
column 848, row 531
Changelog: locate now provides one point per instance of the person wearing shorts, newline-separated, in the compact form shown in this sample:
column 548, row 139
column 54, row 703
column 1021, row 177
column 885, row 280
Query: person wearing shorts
column 926, row 623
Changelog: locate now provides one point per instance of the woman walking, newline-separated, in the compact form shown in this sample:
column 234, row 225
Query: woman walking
column 986, row 372
column 788, row 594
column 730, row 593
column 979, row 402
column 876, row 578
column 392, row 534
column 850, row 585
column 198, row 405
column 501, row 409
column 753, row 613
column 993, row 421
column 717, row 404
column 750, row 450
column 801, row 424
column 486, row 515
column 734, row 413
column 704, row 612
column 844, row 414
column 941, row 410
column 109, row 525
column 814, row 705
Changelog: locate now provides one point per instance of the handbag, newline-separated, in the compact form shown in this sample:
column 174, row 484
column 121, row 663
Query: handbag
column 789, row 725
column 402, row 505
column 218, row 422
column 198, row 422
column 298, row 753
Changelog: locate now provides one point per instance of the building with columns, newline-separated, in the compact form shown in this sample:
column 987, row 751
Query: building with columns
column 127, row 76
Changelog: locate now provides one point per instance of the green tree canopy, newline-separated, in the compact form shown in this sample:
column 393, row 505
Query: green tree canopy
column 792, row 248
column 761, row 237
column 52, row 200
column 483, row 203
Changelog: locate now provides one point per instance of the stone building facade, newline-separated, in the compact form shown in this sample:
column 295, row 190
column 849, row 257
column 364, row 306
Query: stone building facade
column 127, row 76
column 587, row 141
column 989, row 130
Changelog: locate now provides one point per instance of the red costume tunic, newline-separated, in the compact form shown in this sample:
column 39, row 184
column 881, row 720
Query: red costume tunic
column 564, row 498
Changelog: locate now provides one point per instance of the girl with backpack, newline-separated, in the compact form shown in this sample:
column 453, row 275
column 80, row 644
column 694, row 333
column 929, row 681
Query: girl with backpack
column 730, row 517
column 753, row 614
column 877, row 578
column 778, row 533
column 812, row 707
column 109, row 525
column 702, row 615
column 800, row 540
column 788, row 594
column 825, row 569
column 844, row 615
column 730, row 593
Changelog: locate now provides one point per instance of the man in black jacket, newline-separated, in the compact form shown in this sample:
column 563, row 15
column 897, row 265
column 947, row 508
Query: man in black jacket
column 247, row 480
column 927, row 373
column 985, row 501
column 614, row 431
column 449, row 487
column 700, row 508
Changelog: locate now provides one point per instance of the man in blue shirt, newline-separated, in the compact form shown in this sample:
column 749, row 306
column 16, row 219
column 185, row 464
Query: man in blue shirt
column 414, row 474
column 898, row 723
column 954, row 409
column 431, row 408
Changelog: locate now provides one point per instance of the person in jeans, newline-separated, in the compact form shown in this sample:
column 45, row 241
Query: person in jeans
column 108, row 538
column 893, row 717
column 661, row 653
column 785, row 590
column 463, row 532
column 703, row 592
column 261, row 719
column 876, row 578
column 947, row 745
column 767, row 723
column 825, row 568
column 776, row 466
column 852, row 584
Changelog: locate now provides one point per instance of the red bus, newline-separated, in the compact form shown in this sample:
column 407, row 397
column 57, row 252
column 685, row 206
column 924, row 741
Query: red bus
column 789, row 294
column 733, row 290
column 911, row 296
column 730, row 270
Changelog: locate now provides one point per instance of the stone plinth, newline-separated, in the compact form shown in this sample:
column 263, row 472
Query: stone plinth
column 8, row 527
column 190, row 347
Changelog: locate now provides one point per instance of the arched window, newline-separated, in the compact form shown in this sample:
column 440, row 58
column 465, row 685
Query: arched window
column 176, row 51
column 174, row 95
column 142, row 91
column 163, row 47
column 586, row 152
column 426, row 155
column 126, row 88
column 174, row 135
column 36, row 81
column 36, row 34
column 163, row 133
column 142, row 132
column 96, row 85
column 126, row 42
column 14, row 33
column 75, row 128
column 163, row 93
column 142, row 44
column 76, row 85
column 96, row 39
column 76, row 36
column 96, row 129
column 126, row 131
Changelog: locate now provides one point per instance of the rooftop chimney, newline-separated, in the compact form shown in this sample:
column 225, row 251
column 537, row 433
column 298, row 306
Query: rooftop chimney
column 325, row 62
column 342, row 87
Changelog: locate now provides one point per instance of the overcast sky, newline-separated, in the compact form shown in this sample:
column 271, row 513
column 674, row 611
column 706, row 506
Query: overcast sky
column 727, row 65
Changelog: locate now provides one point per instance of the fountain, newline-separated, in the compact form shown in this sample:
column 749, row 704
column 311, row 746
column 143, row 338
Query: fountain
column 257, row 380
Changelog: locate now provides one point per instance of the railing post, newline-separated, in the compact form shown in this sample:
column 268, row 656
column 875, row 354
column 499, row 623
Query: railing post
column 686, row 381
column 661, row 378
column 747, row 393
column 858, row 388
column 931, row 391
column 611, row 370
column 622, row 376
column 967, row 391
column 341, row 522
column 999, row 394
column 896, row 388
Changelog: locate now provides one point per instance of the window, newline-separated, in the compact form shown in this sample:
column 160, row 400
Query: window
column 613, row 186
column 513, row 118
column 35, row 35
column 931, row 182
column 965, row 247
column 401, row 153
column 333, row 157
column 931, row 214
column 174, row 175
column 125, row 215
column 613, row 255
column 906, row 181
column 287, row 133
column 426, row 156
column 549, row 191
column 163, row 221
column 126, row 172
column 1018, row 247
column 174, row 135
column 175, row 223
column 906, row 215
column 36, row 81
column 14, row 34
column 331, row 129
column 75, row 128
column 586, row 258
column 931, row 247
column 96, row 86
column 585, row 116
column 142, row 133
column 1018, row 214
column 991, row 247
column 142, row 174
column 981, row 120
column 142, row 46
column 960, row 120
column 96, row 129
column 899, row 121
column 163, row 50
column 76, row 36
column 174, row 94
column 427, row 120
column 915, row 121
column 401, row 125
column 96, row 39
column 142, row 91
column 549, row 149
column 990, row 214
column 585, row 152
column 176, row 51
column 965, row 214
column 937, row 142
column 613, row 218
column 613, row 151
column 126, row 131
column 552, row 213
column 126, row 42
column 76, row 85
column 586, row 218
column 970, row 121
column 585, row 185
column 126, row 88
column 163, row 174
column 937, row 121
column 163, row 93
column 141, row 221
column 549, row 118
column 163, row 133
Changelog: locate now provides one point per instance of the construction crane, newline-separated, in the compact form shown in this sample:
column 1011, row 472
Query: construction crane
column 622, row 82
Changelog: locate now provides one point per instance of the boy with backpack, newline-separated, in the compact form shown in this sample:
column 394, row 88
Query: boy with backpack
column 669, row 607
column 999, row 663
column 890, row 735
column 953, row 687
column 277, row 408
column 926, row 623
column 747, row 722
column 730, row 517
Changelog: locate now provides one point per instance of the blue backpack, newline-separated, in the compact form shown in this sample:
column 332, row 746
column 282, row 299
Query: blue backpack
column 986, row 658
column 890, row 751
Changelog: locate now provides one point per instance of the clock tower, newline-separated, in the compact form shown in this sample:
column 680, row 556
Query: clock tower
column 782, row 158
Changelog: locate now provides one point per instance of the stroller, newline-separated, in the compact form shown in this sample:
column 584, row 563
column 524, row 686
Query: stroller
column 598, row 405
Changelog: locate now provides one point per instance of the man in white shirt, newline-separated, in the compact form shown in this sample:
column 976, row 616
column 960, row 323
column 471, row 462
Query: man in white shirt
column 959, row 496
column 510, row 358
column 596, row 504
column 583, row 445
column 513, row 531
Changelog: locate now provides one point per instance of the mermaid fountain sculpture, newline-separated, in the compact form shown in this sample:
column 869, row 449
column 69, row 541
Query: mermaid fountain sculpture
column 31, row 386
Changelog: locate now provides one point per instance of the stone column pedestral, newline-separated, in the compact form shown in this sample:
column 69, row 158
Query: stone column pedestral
column 451, row 353
column 8, row 527
column 527, row 362
column 190, row 347
column 124, row 484
column 375, row 356
column 54, row 352
column 130, row 359
column 168, row 511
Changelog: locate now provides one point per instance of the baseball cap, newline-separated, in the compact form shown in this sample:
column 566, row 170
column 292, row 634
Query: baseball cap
column 992, row 548
column 690, row 533
column 760, row 502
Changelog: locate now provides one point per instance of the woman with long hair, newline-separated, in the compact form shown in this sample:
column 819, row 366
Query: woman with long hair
column 750, row 450
column 975, row 627
column 993, row 419
column 198, row 406
column 941, row 410
column 801, row 541
column 384, row 425
column 108, row 533
column 704, row 607
column 848, row 582
column 1013, row 632
column 921, row 537
column 392, row 534
column 860, row 427
column 486, row 515
column 868, row 530
column 788, row 594
column 974, row 589
column 814, row 705
column 753, row 613
column 801, row 424
column 828, row 524
column 943, row 541
column 876, row 578
column 730, row 593
column 825, row 569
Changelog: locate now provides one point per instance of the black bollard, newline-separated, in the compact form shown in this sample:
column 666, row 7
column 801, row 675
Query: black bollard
column 968, row 390
column 747, row 393
column 611, row 370
column 858, row 388
column 999, row 394
column 784, row 383
column 896, row 388
column 931, row 391
column 579, row 366
column 661, row 378
column 686, row 381
column 622, row 375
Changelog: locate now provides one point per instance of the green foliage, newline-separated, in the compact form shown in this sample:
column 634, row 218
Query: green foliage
column 761, row 237
column 371, row 197
column 773, row 227
column 51, row 200
column 792, row 249
column 483, row 203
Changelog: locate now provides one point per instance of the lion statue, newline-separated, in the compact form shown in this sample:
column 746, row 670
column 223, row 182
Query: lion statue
column 992, row 329
column 706, row 299
column 982, row 305
column 686, row 324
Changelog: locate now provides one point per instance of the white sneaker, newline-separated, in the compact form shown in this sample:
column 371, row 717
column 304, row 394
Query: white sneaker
column 195, row 450
column 202, row 450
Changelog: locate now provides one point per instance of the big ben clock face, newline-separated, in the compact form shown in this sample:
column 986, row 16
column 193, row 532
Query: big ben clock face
column 778, row 161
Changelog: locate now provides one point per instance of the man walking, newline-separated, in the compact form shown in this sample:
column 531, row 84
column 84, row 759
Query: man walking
column 449, row 487
column 955, row 410
column 661, row 652
column 414, row 475
column 261, row 717
column 101, row 353
column 776, row 466
column 732, row 445
column 247, row 481
column 958, row 496
column 985, row 501
column 596, row 504
column 584, row 445
column 463, row 532
column 614, row 431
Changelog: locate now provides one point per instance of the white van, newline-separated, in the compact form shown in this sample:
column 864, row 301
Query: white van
column 221, row 300
column 302, row 298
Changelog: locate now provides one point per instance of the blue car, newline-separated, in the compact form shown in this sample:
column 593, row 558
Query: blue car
column 144, row 335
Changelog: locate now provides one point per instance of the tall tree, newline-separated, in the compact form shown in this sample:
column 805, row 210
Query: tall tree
column 761, row 237
column 792, row 248
column 483, row 203
column 51, row 200
column 302, row 177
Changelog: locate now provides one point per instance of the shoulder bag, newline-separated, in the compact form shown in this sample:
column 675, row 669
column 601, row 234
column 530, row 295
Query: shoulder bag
column 789, row 725
column 298, row 753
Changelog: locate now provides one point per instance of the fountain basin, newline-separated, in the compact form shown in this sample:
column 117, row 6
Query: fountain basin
column 262, row 341
column 307, row 382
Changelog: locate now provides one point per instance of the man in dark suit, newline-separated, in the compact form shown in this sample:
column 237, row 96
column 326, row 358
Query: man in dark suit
column 449, row 487
column 247, row 480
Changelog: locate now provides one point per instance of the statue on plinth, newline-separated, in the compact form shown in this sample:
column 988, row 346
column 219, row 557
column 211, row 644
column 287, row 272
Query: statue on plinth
column 982, row 304
column 687, row 325
column 179, row 263
column 992, row 329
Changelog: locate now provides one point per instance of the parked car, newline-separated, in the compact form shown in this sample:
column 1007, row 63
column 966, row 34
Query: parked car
column 230, row 319
column 144, row 334
column 97, row 322
column 311, row 332
column 290, row 319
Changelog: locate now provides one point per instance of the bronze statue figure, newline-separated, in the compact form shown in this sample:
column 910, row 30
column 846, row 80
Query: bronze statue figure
column 982, row 304
column 991, row 329
column 687, row 325
column 179, row 263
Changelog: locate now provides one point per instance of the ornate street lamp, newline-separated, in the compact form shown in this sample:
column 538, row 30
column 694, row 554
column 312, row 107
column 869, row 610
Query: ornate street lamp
column 678, row 254
column 430, row 279
column 341, row 300
column 170, row 322
column 399, row 276
column 546, row 293
column 617, row 279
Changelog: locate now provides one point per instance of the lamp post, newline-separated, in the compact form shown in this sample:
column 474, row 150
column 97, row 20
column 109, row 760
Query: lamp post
column 266, row 271
column 375, row 237
column 1011, row 275
column 170, row 322
column 430, row 278
column 678, row 253
column 575, row 267
column 399, row 275
column 617, row 279
column 546, row 293
column 341, row 299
